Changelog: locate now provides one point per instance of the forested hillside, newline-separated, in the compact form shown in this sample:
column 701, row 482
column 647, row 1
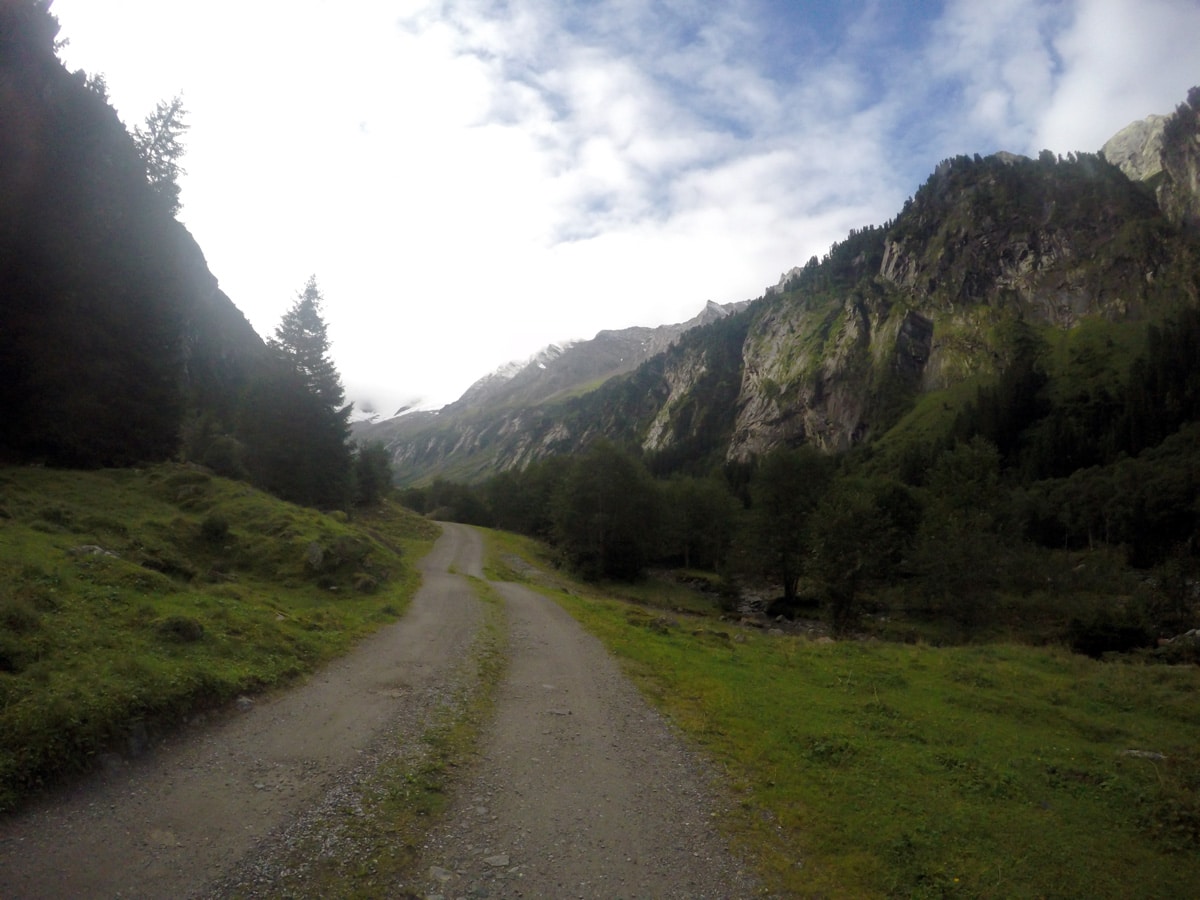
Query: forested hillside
column 982, row 417
column 117, row 347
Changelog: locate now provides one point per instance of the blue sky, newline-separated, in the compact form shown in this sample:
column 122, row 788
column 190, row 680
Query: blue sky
column 471, row 180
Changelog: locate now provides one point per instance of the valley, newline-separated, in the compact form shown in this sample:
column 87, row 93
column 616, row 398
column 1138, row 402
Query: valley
column 884, row 582
column 484, row 743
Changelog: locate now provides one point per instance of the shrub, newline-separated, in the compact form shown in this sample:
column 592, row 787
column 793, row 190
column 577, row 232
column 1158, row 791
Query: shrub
column 214, row 529
column 1107, row 633
column 182, row 629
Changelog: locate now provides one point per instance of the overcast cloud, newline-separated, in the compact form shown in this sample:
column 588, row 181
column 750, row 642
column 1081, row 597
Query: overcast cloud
column 473, row 179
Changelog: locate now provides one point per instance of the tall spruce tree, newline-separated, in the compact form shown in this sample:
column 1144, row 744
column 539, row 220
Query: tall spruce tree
column 786, row 488
column 606, row 512
column 302, row 337
column 295, row 419
column 160, row 146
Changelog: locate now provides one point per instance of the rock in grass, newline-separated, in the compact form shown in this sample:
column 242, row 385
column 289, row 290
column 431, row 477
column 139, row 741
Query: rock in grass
column 183, row 629
column 91, row 550
column 1144, row 754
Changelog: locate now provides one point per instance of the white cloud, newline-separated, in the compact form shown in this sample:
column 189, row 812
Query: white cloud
column 473, row 179
column 992, row 69
column 1122, row 60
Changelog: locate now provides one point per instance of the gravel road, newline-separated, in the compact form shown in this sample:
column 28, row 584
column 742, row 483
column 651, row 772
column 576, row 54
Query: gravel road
column 172, row 822
column 581, row 790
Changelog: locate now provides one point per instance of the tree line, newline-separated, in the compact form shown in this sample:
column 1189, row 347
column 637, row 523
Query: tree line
column 971, row 528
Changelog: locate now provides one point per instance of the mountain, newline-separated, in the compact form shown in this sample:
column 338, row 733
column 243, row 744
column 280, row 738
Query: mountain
column 506, row 400
column 558, row 370
column 112, row 327
column 989, row 254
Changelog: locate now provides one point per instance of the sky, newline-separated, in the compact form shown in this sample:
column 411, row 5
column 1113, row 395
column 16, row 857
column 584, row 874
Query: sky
column 471, row 180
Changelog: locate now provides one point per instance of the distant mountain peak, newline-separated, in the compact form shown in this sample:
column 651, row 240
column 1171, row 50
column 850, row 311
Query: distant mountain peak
column 568, row 365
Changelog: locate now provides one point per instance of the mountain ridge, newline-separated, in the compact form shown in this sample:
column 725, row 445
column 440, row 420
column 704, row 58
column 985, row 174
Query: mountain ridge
column 562, row 366
column 839, row 348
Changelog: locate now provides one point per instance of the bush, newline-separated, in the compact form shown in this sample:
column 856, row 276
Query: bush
column 214, row 529
column 226, row 456
column 181, row 629
column 1108, row 633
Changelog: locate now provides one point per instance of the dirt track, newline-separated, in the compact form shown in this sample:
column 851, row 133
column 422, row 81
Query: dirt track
column 582, row 790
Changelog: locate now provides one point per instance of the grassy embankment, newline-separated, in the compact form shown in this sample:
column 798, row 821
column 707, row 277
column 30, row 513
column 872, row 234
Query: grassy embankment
column 131, row 599
column 871, row 769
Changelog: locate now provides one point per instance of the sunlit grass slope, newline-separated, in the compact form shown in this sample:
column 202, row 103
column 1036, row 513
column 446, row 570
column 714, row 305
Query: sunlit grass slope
column 129, row 599
column 871, row 769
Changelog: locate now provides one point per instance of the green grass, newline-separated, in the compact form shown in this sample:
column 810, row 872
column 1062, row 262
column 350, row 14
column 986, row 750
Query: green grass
column 129, row 599
column 873, row 769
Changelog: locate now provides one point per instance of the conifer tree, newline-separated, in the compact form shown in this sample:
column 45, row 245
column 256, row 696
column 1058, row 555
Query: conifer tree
column 786, row 488
column 303, row 338
column 160, row 146
column 295, row 419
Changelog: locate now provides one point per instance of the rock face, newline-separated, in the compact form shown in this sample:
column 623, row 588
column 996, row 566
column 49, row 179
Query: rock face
column 839, row 349
column 1137, row 148
column 1164, row 152
column 1179, row 191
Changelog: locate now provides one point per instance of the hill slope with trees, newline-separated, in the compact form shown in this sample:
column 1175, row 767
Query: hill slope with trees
column 117, row 346
column 978, row 419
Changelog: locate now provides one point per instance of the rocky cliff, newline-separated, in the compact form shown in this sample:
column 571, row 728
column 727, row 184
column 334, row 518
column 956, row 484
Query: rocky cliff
column 1137, row 148
column 840, row 348
column 1178, row 192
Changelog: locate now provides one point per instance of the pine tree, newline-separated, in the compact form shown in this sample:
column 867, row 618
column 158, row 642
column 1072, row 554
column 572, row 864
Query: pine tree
column 160, row 148
column 302, row 337
column 295, row 418
column 786, row 488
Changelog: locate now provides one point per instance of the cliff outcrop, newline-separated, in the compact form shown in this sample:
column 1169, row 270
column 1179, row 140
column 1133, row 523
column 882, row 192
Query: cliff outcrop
column 841, row 348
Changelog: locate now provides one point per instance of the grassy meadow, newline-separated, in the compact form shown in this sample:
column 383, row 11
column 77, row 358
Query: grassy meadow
column 132, row 599
column 873, row 769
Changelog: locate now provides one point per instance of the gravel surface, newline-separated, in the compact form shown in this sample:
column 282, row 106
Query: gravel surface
column 581, row 789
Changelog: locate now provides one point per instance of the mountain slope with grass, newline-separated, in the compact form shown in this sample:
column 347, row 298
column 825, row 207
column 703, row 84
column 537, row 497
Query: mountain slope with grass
column 131, row 599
